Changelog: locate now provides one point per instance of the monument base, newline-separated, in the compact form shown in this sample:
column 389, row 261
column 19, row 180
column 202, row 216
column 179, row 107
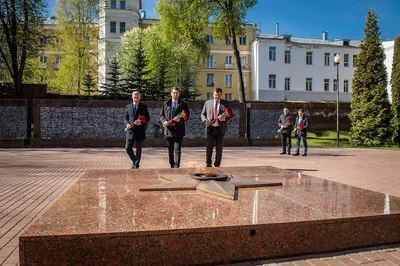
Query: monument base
column 105, row 219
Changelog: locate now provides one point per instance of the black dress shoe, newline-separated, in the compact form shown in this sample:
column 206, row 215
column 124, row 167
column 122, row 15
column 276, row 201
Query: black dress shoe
column 296, row 154
column 304, row 154
column 216, row 165
column 282, row 153
column 208, row 166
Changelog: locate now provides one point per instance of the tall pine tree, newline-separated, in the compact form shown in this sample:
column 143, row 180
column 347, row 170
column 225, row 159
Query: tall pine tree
column 134, row 62
column 395, row 82
column 161, row 84
column 370, row 110
column 114, row 86
column 188, row 87
column 88, row 84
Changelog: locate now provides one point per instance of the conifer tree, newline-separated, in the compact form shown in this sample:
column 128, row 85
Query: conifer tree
column 161, row 84
column 188, row 87
column 114, row 86
column 370, row 110
column 395, row 82
column 88, row 84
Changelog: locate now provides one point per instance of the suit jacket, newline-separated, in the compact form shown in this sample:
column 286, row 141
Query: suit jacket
column 281, row 122
column 178, row 128
column 136, row 132
column 305, row 126
column 207, row 115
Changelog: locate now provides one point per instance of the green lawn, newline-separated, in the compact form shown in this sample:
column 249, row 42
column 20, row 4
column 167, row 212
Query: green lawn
column 326, row 139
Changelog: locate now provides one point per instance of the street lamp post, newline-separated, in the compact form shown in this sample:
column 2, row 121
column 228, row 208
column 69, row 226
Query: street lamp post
column 337, row 63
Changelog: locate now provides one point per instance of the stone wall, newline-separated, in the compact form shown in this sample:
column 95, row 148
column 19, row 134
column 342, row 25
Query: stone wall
column 13, row 122
column 76, row 123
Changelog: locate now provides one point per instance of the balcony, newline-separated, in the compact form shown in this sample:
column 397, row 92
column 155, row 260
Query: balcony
column 229, row 66
column 43, row 65
column 245, row 67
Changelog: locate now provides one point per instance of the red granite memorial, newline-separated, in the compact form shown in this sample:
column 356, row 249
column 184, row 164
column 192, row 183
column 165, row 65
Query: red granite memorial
column 112, row 217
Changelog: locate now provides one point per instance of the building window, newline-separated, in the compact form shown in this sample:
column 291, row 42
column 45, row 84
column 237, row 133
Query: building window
column 272, row 81
column 228, row 60
column 287, row 57
column 210, row 61
column 209, row 96
column 242, row 40
column 113, row 3
column 309, row 58
column 228, row 96
column 346, row 85
column 122, row 4
column 3, row 77
column 335, row 85
column 113, row 26
column 354, row 60
column 58, row 60
column 272, row 53
column 346, row 60
column 287, row 84
column 43, row 59
column 327, row 59
column 122, row 27
column 43, row 42
column 210, row 39
column 228, row 81
column 228, row 41
column 41, row 78
column 308, row 84
column 326, row 84
column 210, row 80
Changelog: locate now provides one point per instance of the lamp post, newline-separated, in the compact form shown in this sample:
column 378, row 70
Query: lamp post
column 337, row 63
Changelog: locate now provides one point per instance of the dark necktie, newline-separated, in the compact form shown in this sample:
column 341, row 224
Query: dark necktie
column 173, row 109
column 134, row 109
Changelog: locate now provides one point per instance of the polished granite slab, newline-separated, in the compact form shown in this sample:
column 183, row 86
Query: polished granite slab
column 105, row 219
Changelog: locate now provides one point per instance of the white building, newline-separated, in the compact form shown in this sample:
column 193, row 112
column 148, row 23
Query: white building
column 289, row 68
column 116, row 17
column 389, row 52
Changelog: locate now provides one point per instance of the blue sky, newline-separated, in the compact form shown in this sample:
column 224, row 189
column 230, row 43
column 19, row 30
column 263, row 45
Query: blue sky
column 343, row 19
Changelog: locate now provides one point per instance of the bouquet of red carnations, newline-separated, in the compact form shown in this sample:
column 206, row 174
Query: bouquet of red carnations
column 140, row 118
column 287, row 123
column 183, row 115
column 226, row 114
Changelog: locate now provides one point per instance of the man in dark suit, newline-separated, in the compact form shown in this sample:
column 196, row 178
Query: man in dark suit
column 135, row 128
column 285, row 123
column 174, row 128
column 300, row 128
column 216, row 126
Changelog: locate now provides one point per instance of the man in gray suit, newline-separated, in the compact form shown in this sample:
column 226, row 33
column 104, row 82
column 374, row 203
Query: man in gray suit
column 213, row 118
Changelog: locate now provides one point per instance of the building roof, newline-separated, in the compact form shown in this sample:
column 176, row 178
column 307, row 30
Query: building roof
column 311, row 41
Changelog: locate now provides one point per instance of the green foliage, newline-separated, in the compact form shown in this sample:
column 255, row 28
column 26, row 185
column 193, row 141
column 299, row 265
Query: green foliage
column 188, row 86
column 370, row 111
column 114, row 86
column 88, row 83
column 189, row 18
column 77, row 34
column 395, row 82
column 134, row 62
column 21, row 27
column 157, row 63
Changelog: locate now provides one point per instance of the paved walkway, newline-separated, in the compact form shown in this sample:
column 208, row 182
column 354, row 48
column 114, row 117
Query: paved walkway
column 31, row 179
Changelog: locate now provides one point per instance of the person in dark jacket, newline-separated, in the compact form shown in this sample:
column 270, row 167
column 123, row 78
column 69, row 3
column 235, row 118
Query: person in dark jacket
column 300, row 128
column 135, row 127
column 174, row 127
column 285, row 124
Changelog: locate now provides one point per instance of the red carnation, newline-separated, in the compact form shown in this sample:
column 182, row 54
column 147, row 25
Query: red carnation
column 142, row 118
column 300, row 126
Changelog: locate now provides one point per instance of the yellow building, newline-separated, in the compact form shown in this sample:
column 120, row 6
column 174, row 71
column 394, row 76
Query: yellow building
column 219, row 70
column 220, row 67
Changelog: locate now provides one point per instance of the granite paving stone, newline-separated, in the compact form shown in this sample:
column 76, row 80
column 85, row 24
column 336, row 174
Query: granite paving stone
column 48, row 173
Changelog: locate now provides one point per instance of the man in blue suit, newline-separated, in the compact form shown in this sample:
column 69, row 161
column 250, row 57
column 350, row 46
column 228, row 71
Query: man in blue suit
column 136, row 129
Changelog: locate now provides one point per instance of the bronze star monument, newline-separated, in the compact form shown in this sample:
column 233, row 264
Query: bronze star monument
column 220, row 185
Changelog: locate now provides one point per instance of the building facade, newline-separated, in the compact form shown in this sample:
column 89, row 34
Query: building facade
column 285, row 68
